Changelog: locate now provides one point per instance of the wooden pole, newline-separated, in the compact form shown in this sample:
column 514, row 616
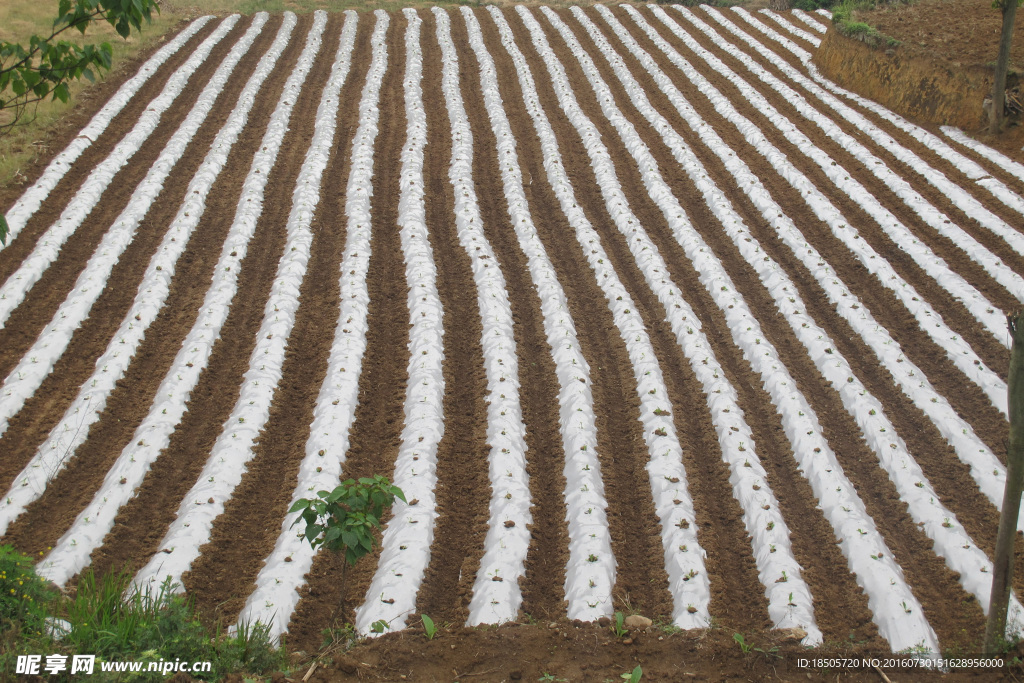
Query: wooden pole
column 995, row 115
column 1002, row 576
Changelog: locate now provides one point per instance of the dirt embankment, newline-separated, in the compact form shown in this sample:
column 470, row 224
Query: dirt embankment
column 942, row 69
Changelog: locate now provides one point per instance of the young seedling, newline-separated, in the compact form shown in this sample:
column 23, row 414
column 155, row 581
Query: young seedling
column 428, row 626
column 618, row 627
column 633, row 676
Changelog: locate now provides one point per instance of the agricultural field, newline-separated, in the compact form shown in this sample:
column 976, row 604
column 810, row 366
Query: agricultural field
column 640, row 312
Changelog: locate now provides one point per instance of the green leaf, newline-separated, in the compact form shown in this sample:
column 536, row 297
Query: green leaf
column 106, row 55
column 300, row 504
column 89, row 75
column 3, row 229
column 61, row 93
column 428, row 626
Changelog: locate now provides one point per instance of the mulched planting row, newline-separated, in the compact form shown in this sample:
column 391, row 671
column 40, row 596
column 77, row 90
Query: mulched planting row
column 230, row 565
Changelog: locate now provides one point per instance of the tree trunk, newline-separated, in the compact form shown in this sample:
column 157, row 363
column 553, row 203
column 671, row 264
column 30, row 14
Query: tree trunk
column 1002, row 63
column 1002, row 574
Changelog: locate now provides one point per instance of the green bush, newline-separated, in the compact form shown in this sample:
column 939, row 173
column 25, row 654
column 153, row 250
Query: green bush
column 26, row 599
column 812, row 5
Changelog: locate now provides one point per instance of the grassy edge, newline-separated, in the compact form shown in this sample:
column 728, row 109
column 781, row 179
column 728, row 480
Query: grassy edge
column 845, row 24
column 105, row 618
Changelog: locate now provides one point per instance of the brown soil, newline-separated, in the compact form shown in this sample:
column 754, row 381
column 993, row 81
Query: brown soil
column 965, row 32
column 543, row 644
column 948, row 44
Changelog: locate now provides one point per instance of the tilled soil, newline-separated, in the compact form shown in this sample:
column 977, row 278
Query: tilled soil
column 740, row 642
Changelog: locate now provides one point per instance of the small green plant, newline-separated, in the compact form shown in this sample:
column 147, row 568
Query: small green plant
column 550, row 678
column 618, row 627
column 343, row 520
column 428, row 626
column 667, row 626
column 342, row 638
column 633, row 676
column 750, row 647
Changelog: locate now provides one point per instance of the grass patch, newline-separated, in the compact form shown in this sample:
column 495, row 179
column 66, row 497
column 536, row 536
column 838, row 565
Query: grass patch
column 98, row 620
column 843, row 18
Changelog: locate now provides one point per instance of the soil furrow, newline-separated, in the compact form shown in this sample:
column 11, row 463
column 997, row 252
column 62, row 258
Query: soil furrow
column 1012, row 181
column 949, row 476
column 775, row 23
column 935, row 196
column 967, row 398
column 719, row 520
column 813, row 540
column 42, row 300
column 223, row 575
column 641, row 581
column 141, row 524
column 379, row 418
column 31, row 426
column 543, row 584
column 68, row 128
column 948, row 607
column 463, row 485
column 954, row 313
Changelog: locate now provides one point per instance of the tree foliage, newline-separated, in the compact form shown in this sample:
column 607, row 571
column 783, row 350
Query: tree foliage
column 46, row 65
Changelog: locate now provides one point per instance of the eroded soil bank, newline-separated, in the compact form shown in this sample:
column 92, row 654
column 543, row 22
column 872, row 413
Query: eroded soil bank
column 942, row 70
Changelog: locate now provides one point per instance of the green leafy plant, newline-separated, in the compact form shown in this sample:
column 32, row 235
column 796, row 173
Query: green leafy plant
column 44, row 68
column 633, row 676
column 344, row 519
column 428, row 626
column 747, row 648
column 379, row 626
column 618, row 626
column 160, row 624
